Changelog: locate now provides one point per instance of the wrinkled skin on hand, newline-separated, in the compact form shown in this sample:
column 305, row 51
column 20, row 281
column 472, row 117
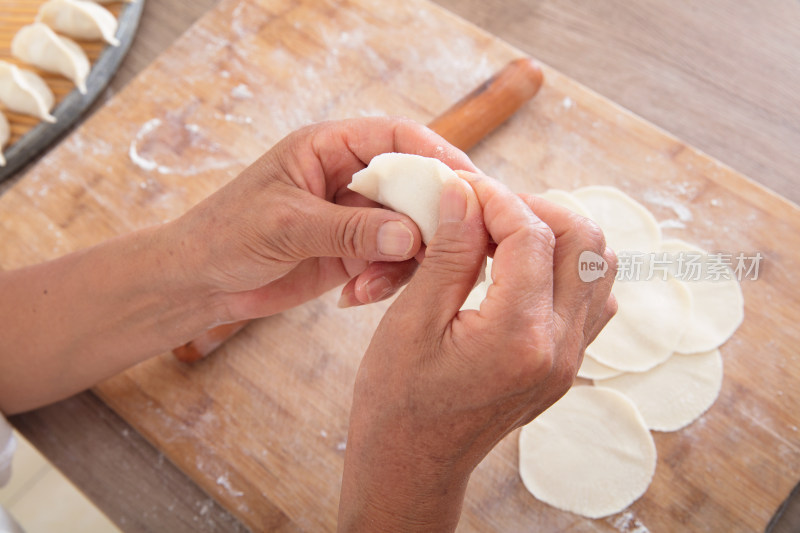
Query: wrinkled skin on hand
column 438, row 388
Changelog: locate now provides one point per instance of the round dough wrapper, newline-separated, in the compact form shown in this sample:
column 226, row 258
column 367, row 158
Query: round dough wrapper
column 651, row 320
column 674, row 394
column 566, row 199
column 717, row 306
column 590, row 453
column 627, row 224
column 591, row 369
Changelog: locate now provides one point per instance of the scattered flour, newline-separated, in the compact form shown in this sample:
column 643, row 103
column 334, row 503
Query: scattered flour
column 680, row 209
column 238, row 119
column 142, row 162
column 672, row 224
column 204, row 509
column 224, row 482
column 180, row 149
column 242, row 92
column 627, row 523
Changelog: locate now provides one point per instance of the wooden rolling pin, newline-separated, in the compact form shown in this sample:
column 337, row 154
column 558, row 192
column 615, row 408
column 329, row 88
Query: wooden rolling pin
column 464, row 125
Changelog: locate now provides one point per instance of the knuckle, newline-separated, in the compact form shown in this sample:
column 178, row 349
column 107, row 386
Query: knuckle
column 565, row 369
column 283, row 244
column 450, row 255
column 566, row 377
column 550, row 362
column 600, row 321
column 613, row 263
column 589, row 235
column 537, row 359
column 571, row 361
column 411, row 126
column 448, row 245
column 541, row 236
column 612, row 306
column 350, row 234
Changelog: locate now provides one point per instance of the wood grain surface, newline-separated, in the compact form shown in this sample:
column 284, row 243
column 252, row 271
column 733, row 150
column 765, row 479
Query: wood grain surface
column 646, row 78
column 721, row 75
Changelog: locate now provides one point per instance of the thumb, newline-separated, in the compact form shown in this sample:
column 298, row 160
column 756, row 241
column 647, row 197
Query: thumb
column 368, row 233
column 453, row 259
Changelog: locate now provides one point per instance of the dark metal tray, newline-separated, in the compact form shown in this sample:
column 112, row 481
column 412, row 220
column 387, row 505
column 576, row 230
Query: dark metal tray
column 75, row 103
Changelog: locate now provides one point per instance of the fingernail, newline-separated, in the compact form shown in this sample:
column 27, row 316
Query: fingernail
column 394, row 238
column 378, row 289
column 348, row 299
column 454, row 202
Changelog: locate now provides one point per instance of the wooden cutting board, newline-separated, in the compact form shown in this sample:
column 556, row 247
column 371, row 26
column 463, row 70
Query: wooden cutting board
column 262, row 424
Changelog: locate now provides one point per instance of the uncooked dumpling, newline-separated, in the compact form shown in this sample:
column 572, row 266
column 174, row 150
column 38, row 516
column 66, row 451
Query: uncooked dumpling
column 717, row 305
column 5, row 133
column 38, row 45
column 651, row 319
column 626, row 224
column 409, row 184
column 675, row 393
column 590, row 453
column 23, row 91
column 80, row 19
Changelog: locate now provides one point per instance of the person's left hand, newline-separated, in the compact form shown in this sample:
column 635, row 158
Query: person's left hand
column 288, row 229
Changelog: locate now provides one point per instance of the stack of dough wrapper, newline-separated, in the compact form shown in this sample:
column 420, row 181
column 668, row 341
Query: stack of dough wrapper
column 655, row 367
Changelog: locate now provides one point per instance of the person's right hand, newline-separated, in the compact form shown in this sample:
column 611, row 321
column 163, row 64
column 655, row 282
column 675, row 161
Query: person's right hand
column 439, row 387
column 288, row 229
